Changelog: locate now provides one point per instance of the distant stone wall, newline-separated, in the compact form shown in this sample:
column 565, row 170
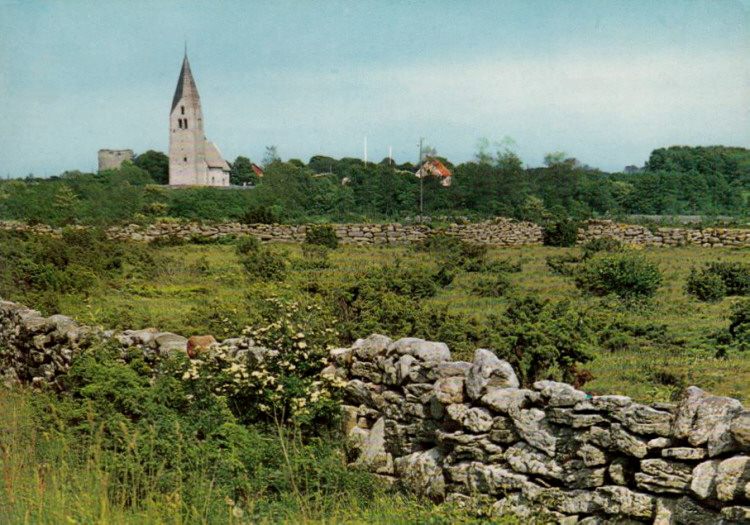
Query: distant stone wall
column 498, row 232
column 111, row 159
column 465, row 432
column 640, row 235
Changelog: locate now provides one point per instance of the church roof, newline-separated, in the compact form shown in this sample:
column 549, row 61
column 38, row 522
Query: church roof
column 185, row 85
column 214, row 158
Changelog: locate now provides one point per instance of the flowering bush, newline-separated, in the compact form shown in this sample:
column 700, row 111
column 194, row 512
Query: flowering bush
column 273, row 373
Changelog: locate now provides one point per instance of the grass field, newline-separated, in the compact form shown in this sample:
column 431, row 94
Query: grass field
column 207, row 280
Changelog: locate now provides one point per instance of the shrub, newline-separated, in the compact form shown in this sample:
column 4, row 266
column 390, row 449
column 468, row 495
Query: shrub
column 322, row 235
column 260, row 215
column 541, row 339
column 503, row 266
column 604, row 244
column 247, row 244
column 444, row 276
column 564, row 264
column 164, row 241
column 284, row 383
column 264, row 265
column 739, row 324
column 706, row 286
column 439, row 243
column 562, row 233
column 314, row 257
column 736, row 276
column 628, row 276
column 497, row 287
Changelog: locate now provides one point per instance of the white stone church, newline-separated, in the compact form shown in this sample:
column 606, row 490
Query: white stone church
column 193, row 160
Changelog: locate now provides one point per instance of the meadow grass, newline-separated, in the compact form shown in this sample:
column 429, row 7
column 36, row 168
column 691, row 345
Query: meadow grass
column 199, row 275
column 48, row 478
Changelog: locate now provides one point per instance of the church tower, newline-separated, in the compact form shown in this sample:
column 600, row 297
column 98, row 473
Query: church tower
column 192, row 159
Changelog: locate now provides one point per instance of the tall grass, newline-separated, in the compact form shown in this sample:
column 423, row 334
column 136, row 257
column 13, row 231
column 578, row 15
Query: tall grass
column 48, row 477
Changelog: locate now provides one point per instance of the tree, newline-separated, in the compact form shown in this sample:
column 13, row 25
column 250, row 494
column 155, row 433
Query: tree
column 242, row 172
column 271, row 156
column 65, row 205
column 156, row 164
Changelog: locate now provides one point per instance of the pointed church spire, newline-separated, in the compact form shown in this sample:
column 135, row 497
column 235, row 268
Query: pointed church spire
column 186, row 87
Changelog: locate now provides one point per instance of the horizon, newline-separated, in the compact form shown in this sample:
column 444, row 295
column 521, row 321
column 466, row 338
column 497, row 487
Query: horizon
column 605, row 82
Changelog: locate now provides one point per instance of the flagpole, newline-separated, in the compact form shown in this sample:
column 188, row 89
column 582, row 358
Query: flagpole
column 421, row 182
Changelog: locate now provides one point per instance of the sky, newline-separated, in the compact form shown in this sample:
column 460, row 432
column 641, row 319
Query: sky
column 604, row 81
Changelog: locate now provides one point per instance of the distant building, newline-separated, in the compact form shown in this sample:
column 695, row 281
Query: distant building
column 193, row 160
column 111, row 159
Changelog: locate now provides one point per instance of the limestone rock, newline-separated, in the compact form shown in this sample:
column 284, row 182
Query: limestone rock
column 740, row 429
column 489, row 371
column 664, row 477
column 703, row 484
column 731, row 478
column 477, row 420
column 626, row 442
column 449, row 390
column 683, row 511
column 641, row 419
column 559, row 394
column 736, row 514
column 422, row 473
column 533, row 428
column 420, row 349
column 684, row 453
column 706, row 419
column 503, row 400
column 168, row 342
column 368, row 349
column 592, row 456
column 452, row 368
column 525, row 459
column 373, row 455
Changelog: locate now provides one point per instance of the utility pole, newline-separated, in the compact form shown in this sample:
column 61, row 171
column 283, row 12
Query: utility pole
column 421, row 181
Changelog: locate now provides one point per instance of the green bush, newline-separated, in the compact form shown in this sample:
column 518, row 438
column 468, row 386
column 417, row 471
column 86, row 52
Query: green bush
column 739, row 324
column 322, row 235
column 264, row 265
column 497, row 287
column 564, row 264
column 736, row 276
column 562, row 233
column 439, row 243
column 503, row 266
column 628, row 276
column 541, row 339
column 604, row 244
column 260, row 215
column 247, row 244
column 314, row 257
column 706, row 286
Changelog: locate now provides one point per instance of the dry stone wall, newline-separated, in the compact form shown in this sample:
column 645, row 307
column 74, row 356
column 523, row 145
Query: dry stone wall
column 497, row 232
column 461, row 431
column 466, row 432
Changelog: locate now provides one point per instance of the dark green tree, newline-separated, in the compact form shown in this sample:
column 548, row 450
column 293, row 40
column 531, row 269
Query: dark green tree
column 156, row 164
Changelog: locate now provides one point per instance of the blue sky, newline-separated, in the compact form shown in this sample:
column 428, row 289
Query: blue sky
column 604, row 81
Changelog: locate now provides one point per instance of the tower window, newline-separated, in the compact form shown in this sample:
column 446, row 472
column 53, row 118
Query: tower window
column 186, row 126
column 179, row 122
column 184, row 159
column 183, row 109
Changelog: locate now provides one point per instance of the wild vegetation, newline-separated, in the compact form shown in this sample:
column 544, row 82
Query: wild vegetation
column 134, row 440
column 706, row 181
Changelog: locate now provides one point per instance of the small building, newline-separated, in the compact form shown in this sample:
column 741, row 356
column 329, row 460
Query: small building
column 193, row 160
column 111, row 159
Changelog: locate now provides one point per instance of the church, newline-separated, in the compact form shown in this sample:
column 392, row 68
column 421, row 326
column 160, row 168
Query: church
column 193, row 160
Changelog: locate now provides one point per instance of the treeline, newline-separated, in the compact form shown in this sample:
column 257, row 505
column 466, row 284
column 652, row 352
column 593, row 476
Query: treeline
column 678, row 180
